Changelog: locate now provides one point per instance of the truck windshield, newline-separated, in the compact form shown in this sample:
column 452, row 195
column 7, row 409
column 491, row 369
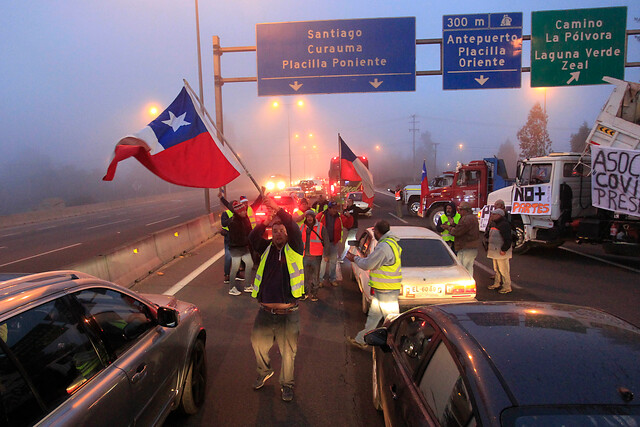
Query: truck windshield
column 537, row 173
column 467, row 178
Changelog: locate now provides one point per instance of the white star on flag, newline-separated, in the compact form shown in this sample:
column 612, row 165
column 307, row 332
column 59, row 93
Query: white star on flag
column 176, row 122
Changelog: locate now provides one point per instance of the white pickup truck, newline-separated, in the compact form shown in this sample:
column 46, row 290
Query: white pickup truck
column 411, row 192
column 592, row 196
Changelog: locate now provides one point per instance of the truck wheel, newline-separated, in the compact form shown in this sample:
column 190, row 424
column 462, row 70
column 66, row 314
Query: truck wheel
column 520, row 246
column 434, row 214
column 413, row 206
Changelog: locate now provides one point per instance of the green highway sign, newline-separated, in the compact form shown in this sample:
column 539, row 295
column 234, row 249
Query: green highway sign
column 577, row 47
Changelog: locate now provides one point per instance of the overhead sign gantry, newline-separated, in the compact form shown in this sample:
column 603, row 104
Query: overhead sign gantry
column 338, row 56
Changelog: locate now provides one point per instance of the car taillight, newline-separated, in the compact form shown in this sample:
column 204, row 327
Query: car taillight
column 460, row 289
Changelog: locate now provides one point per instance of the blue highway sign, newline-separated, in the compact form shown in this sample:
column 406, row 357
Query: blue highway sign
column 482, row 51
column 339, row 56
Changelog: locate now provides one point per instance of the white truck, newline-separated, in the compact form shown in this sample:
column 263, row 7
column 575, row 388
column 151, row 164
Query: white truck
column 592, row 196
column 411, row 193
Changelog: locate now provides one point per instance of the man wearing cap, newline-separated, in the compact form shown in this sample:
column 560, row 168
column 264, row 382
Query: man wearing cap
column 336, row 225
column 499, row 249
column 278, row 285
column 239, row 229
column 385, row 279
column 467, row 236
column 313, row 237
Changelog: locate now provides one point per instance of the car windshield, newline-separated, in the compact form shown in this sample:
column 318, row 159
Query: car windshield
column 583, row 415
column 425, row 253
column 356, row 197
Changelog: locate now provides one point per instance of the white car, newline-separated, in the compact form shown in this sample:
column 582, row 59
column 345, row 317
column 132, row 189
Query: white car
column 431, row 273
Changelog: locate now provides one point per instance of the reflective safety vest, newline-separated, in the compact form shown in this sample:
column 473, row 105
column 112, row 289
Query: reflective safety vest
column 252, row 217
column 229, row 214
column 294, row 265
column 388, row 276
column 446, row 236
column 315, row 244
column 398, row 196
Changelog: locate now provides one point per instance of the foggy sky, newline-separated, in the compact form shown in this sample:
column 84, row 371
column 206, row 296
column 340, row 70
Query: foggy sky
column 79, row 75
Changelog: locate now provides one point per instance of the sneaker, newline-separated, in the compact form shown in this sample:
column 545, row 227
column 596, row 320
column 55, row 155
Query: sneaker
column 248, row 288
column 314, row 298
column 261, row 380
column 504, row 291
column 493, row 287
column 226, row 278
column 334, row 283
column 355, row 343
column 234, row 291
column 287, row 393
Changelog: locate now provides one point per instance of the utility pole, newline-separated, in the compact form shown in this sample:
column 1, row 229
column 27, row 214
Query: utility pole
column 435, row 157
column 413, row 130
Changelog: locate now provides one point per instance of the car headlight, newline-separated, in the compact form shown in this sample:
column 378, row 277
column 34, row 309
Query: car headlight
column 270, row 185
column 281, row 185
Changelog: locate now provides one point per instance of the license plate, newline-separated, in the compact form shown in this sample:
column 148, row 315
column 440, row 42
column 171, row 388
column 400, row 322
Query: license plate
column 422, row 291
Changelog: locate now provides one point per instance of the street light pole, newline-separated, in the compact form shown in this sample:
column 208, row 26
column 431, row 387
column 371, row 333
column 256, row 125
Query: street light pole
column 289, row 137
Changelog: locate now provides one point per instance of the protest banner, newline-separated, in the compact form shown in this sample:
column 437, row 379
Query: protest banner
column 614, row 179
column 532, row 200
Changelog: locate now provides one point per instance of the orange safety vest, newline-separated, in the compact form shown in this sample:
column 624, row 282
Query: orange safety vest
column 315, row 244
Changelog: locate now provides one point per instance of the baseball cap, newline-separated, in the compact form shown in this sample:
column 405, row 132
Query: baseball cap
column 332, row 204
column 310, row 212
column 243, row 199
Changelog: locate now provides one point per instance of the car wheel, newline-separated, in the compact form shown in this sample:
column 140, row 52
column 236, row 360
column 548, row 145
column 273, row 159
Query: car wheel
column 196, row 381
column 365, row 304
column 377, row 402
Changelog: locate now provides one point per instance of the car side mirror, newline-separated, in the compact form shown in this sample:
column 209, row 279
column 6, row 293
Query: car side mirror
column 378, row 338
column 167, row 317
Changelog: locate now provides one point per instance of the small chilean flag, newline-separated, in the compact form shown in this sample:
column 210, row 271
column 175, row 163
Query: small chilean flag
column 424, row 187
column 346, row 155
column 178, row 146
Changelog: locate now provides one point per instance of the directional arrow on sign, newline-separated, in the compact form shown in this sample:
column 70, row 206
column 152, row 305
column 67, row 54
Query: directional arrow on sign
column 574, row 76
column 375, row 83
column 482, row 79
column 295, row 86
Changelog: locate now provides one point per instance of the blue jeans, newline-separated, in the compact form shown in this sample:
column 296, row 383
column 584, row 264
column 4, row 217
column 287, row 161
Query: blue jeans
column 330, row 264
column 385, row 301
column 284, row 329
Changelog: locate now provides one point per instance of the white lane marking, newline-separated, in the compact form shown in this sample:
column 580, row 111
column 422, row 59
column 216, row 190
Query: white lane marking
column 376, row 205
column 195, row 273
column 398, row 218
column 7, row 235
column 43, row 253
column 600, row 259
column 109, row 223
column 46, row 228
column 162, row 220
column 490, row 271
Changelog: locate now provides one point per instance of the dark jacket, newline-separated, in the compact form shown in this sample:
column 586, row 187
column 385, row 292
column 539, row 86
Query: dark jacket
column 339, row 222
column 467, row 232
column 504, row 228
column 355, row 212
column 275, row 287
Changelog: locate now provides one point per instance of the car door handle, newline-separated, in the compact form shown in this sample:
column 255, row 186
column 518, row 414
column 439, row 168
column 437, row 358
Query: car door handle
column 141, row 372
column 394, row 392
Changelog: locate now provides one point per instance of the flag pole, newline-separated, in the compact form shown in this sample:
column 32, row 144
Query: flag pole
column 340, row 164
column 224, row 140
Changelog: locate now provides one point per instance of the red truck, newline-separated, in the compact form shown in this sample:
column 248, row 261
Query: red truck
column 472, row 183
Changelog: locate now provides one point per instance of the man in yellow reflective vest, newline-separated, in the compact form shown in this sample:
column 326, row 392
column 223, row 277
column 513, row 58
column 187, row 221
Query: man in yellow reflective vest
column 449, row 218
column 385, row 279
column 278, row 284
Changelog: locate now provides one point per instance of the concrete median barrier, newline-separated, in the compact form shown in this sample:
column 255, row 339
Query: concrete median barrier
column 133, row 262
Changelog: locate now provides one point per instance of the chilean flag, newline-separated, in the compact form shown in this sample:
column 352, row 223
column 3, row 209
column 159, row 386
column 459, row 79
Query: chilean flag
column 347, row 156
column 178, row 146
column 424, row 187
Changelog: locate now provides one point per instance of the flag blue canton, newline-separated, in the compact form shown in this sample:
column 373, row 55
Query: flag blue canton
column 193, row 126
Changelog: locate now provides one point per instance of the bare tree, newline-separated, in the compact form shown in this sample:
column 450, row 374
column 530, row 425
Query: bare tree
column 533, row 136
column 579, row 139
